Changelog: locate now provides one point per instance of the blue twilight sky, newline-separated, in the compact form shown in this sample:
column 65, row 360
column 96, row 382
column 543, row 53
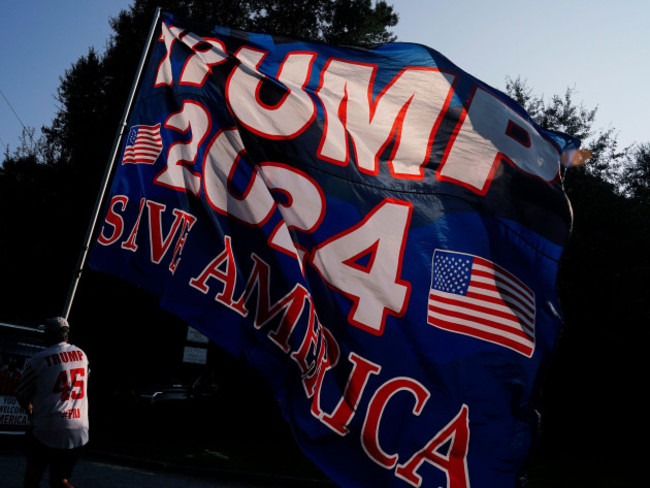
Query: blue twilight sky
column 601, row 48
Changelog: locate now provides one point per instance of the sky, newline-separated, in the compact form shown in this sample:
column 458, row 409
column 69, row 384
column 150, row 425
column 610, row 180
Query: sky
column 598, row 48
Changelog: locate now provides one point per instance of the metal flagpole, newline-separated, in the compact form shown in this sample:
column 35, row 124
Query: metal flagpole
column 109, row 169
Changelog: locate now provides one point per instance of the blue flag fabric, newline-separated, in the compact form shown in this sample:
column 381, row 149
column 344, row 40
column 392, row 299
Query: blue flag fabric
column 376, row 231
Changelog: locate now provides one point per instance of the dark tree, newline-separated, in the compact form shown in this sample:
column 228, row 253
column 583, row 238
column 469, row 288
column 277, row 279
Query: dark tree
column 342, row 22
column 563, row 114
column 602, row 286
column 635, row 175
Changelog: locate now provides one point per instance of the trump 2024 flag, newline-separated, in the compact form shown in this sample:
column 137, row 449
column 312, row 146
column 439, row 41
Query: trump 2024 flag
column 376, row 231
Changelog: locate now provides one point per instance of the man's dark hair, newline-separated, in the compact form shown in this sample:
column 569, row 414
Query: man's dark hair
column 54, row 337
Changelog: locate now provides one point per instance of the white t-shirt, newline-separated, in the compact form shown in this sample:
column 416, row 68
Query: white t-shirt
column 60, row 395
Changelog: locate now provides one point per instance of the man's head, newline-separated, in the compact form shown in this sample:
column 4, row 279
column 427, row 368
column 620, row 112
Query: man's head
column 56, row 330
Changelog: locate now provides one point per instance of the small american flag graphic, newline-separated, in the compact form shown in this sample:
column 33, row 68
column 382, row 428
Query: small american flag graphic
column 473, row 296
column 143, row 145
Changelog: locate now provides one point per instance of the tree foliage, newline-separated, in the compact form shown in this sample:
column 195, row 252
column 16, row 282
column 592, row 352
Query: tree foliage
column 636, row 175
column 563, row 114
column 603, row 273
column 356, row 22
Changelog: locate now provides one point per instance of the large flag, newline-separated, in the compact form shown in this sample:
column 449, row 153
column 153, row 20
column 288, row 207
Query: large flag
column 376, row 231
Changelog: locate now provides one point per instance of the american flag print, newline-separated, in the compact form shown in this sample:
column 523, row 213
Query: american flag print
column 473, row 296
column 143, row 145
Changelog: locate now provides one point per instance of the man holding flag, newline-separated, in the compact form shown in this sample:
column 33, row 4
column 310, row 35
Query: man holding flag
column 53, row 389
